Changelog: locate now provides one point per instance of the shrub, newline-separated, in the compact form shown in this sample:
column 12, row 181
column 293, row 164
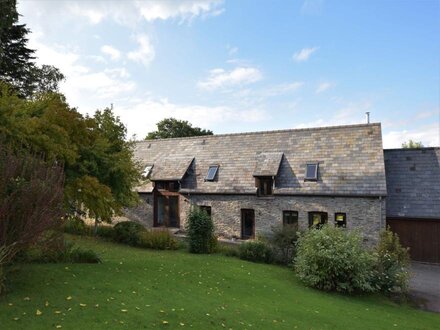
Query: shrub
column 282, row 239
column 391, row 266
column 76, row 226
column 105, row 232
column 31, row 196
column 227, row 250
column 256, row 251
column 200, row 230
column 333, row 258
column 128, row 232
column 80, row 255
column 158, row 240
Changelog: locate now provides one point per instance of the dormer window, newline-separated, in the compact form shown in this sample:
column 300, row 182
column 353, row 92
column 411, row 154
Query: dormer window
column 264, row 185
column 311, row 172
column 147, row 171
column 212, row 171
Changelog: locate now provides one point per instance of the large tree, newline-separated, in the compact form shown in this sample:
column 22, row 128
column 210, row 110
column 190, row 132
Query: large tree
column 171, row 128
column 98, row 160
column 17, row 66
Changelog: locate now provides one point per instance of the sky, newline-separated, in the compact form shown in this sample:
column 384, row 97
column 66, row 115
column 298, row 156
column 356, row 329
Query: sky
column 248, row 65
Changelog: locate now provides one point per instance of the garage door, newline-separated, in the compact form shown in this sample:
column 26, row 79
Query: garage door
column 421, row 236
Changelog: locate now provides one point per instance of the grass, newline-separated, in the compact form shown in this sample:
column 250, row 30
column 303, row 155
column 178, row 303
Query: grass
column 143, row 289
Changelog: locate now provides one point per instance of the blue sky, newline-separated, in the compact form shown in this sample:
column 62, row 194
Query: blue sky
column 233, row 66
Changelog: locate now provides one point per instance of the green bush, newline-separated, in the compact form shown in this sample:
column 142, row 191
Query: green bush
column 86, row 256
column 391, row 266
column 158, row 240
column 128, row 232
column 228, row 250
column 256, row 251
column 105, row 232
column 200, row 230
column 75, row 226
column 332, row 258
column 282, row 240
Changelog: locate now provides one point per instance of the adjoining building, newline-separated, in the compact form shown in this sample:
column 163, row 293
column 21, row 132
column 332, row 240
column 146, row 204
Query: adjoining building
column 249, row 182
column 413, row 200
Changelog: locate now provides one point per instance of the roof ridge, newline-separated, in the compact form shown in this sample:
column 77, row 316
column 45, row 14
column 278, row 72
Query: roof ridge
column 262, row 132
column 412, row 149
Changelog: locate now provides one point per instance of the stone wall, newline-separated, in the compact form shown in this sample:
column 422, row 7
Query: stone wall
column 364, row 213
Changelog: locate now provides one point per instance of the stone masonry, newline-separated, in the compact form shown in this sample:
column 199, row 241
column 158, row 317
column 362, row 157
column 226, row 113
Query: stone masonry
column 366, row 214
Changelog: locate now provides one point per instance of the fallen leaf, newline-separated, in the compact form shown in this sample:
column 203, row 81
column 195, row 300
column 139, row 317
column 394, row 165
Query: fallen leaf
column 69, row 298
column 38, row 312
column 16, row 318
column 164, row 322
column 124, row 310
column 83, row 305
column 46, row 304
column 57, row 312
column 26, row 298
column 58, row 326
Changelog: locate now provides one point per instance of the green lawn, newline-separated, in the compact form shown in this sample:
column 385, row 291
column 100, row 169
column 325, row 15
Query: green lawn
column 137, row 289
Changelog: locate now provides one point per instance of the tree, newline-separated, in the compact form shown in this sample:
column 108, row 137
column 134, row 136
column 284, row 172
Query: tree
column 17, row 66
column 98, row 160
column 171, row 128
column 412, row 145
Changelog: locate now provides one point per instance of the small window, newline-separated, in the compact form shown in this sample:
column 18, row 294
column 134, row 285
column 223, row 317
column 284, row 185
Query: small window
column 265, row 185
column 206, row 209
column 311, row 172
column 317, row 219
column 147, row 171
column 212, row 171
column 290, row 218
column 340, row 220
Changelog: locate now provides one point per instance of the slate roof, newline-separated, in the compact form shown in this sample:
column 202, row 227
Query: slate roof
column 267, row 163
column 413, row 182
column 350, row 160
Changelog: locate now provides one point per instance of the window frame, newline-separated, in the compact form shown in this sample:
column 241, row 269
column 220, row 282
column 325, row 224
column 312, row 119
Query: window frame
column 285, row 212
column 315, row 177
column 260, row 183
column 324, row 215
column 207, row 209
column 171, row 186
column 344, row 222
column 215, row 173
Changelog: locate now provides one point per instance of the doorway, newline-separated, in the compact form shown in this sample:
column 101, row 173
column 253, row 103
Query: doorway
column 247, row 223
column 166, row 210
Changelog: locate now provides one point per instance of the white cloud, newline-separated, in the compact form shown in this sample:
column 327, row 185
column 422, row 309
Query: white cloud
column 429, row 135
column 322, row 87
column 111, row 51
column 154, row 110
column 132, row 12
column 283, row 88
column 304, row 54
column 220, row 78
column 145, row 52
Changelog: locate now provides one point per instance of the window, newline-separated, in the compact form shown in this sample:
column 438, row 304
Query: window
column 147, row 171
column 290, row 218
column 311, row 172
column 166, row 185
column 264, row 185
column 317, row 219
column 205, row 208
column 340, row 220
column 212, row 171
